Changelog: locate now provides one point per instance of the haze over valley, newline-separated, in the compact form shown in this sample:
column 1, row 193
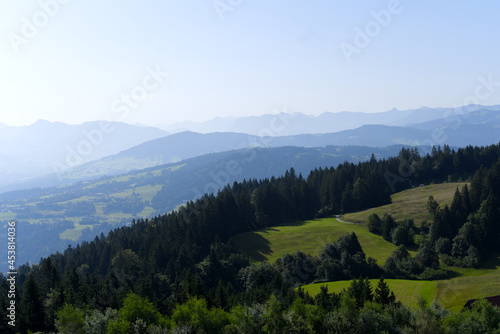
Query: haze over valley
column 249, row 167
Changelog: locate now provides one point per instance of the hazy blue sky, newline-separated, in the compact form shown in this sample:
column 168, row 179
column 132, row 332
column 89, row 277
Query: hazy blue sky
column 245, row 57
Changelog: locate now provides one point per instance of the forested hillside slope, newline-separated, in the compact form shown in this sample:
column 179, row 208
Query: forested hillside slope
column 188, row 254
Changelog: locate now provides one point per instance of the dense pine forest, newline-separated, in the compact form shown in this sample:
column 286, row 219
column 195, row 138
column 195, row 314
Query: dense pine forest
column 181, row 272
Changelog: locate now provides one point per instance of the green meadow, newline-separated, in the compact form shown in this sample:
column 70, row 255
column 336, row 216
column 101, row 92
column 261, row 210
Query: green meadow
column 411, row 203
column 74, row 233
column 311, row 236
column 406, row 291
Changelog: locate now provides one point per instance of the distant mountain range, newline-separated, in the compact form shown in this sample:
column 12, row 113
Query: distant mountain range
column 187, row 145
column 476, row 128
column 47, row 154
column 288, row 124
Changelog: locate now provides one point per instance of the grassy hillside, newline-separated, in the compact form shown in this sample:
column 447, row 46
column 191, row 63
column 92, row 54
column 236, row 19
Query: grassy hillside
column 411, row 203
column 310, row 237
column 452, row 294
column 74, row 233
column 406, row 291
column 473, row 283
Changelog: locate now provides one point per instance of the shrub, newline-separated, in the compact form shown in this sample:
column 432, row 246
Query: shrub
column 431, row 274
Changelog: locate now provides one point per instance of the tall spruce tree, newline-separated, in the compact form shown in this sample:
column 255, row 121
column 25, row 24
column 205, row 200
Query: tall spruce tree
column 32, row 311
column 382, row 294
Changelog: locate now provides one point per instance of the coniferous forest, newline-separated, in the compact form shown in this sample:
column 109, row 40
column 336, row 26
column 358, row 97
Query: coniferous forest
column 181, row 272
